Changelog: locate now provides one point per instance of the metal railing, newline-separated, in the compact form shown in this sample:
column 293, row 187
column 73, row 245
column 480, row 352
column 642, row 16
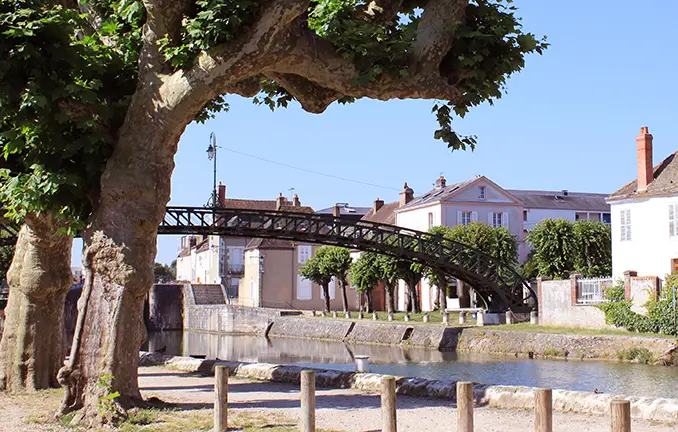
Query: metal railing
column 592, row 291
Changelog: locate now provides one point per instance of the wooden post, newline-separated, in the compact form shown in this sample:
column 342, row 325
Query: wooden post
column 221, row 399
column 388, row 404
column 465, row 407
column 307, row 401
column 543, row 410
column 621, row 415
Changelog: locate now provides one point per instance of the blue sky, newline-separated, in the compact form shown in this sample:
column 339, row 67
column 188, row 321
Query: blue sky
column 568, row 122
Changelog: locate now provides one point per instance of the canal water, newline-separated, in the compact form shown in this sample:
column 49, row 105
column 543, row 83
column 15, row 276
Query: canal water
column 607, row 377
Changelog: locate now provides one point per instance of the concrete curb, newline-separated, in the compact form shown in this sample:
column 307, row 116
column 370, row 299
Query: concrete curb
column 660, row 410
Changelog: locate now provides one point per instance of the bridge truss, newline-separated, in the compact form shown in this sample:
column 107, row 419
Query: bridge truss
column 495, row 283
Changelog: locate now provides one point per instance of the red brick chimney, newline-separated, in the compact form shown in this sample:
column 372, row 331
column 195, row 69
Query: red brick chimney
column 645, row 171
column 377, row 205
column 406, row 195
column 441, row 182
column 336, row 211
column 221, row 194
column 296, row 202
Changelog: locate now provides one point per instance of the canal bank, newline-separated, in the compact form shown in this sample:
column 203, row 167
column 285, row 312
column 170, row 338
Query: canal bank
column 660, row 410
column 254, row 321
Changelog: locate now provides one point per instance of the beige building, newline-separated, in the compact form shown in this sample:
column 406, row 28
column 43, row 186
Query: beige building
column 272, row 278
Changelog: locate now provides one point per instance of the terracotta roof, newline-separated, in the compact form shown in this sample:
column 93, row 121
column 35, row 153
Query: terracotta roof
column 386, row 214
column 289, row 208
column 559, row 201
column 665, row 182
column 266, row 243
column 246, row 204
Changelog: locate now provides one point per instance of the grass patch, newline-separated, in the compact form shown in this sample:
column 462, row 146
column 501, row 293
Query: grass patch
column 399, row 317
column 530, row 328
column 641, row 355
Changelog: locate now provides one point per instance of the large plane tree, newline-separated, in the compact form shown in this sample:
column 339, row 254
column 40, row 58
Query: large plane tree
column 185, row 55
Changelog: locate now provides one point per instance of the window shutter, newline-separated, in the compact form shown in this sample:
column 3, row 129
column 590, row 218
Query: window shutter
column 304, row 289
column 459, row 221
column 331, row 289
column 505, row 219
column 490, row 219
column 628, row 224
column 622, row 224
column 474, row 216
column 672, row 223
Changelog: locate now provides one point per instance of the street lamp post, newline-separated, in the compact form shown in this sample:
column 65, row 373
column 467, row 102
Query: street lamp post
column 212, row 155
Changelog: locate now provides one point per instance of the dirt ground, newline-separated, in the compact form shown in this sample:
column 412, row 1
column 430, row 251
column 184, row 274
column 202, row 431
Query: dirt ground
column 337, row 409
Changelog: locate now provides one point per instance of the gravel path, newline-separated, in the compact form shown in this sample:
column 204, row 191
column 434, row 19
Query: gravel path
column 352, row 410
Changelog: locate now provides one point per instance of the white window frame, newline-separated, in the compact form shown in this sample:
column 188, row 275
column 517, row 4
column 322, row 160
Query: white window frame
column 466, row 217
column 304, row 253
column 497, row 219
column 673, row 220
column 625, row 226
column 430, row 220
column 482, row 192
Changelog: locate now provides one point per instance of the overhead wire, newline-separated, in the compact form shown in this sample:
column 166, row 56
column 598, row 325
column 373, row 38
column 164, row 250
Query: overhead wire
column 307, row 170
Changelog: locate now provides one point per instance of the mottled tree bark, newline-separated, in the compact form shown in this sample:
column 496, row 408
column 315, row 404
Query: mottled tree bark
column 389, row 289
column 32, row 348
column 368, row 296
column 326, row 294
column 344, row 298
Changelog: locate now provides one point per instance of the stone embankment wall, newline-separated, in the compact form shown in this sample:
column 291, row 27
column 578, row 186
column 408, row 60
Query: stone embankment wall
column 244, row 320
column 662, row 410
column 582, row 347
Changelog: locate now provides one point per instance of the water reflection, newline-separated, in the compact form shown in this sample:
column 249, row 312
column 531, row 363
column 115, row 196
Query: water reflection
column 607, row 377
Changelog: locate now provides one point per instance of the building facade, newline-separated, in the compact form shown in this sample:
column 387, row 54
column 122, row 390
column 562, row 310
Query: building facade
column 644, row 216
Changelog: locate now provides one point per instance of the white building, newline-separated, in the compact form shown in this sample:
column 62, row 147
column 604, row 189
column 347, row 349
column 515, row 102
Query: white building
column 644, row 214
column 481, row 200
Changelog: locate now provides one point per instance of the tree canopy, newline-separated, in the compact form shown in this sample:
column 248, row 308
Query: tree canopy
column 561, row 247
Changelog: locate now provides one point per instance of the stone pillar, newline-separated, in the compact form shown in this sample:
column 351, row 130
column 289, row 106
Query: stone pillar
column 480, row 318
column 509, row 317
column 628, row 275
column 462, row 317
column 573, row 287
column 534, row 318
column 540, row 280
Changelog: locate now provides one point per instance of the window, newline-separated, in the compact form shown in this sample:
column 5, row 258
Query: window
column 673, row 215
column 674, row 266
column 304, row 253
column 625, row 225
column 580, row 216
column 481, row 192
column 607, row 218
column 524, row 215
column 430, row 220
column 497, row 220
column 466, row 217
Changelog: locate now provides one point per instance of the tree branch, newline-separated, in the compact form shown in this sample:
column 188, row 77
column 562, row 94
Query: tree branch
column 312, row 97
column 163, row 17
column 248, row 87
column 436, row 32
column 316, row 60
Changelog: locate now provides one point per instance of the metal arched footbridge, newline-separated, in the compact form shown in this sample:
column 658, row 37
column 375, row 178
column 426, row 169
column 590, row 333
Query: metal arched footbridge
column 497, row 284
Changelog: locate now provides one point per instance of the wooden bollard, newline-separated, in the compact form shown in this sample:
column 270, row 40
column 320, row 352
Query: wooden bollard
column 388, row 404
column 465, row 407
column 307, row 401
column 621, row 415
column 221, row 399
column 543, row 410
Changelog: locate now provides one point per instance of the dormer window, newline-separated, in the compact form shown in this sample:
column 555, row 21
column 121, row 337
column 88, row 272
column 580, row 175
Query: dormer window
column 481, row 192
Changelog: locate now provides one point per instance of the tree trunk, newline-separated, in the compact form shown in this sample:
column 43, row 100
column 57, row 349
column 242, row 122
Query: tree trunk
column 32, row 348
column 368, row 294
column 413, row 296
column 344, row 298
column 326, row 293
column 119, row 255
column 408, row 299
column 390, row 298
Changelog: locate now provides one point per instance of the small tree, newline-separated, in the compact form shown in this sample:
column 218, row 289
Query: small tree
column 594, row 248
column 411, row 273
column 338, row 260
column 436, row 277
column 387, row 268
column 555, row 247
column 365, row 276
column 162, row 273
column 317, row 271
